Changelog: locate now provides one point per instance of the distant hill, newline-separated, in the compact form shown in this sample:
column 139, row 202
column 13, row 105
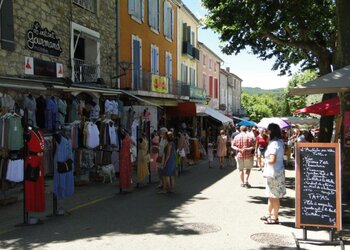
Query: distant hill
column 259, row 91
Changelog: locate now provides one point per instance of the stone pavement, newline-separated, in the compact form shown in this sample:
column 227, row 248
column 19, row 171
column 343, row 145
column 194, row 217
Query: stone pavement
column 213, row 212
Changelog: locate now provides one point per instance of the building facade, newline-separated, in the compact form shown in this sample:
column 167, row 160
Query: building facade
column 73, row 37
column 232, row 97
column 209, row 74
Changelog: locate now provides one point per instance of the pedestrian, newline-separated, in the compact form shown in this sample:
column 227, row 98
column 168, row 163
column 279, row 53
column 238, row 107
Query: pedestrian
column 244, row 144
column 260, row 147
column 210, row 154
column 275, row 186
column 169, row 164
column 125, row 163
column 221, row 148
column 142, row 159
column 181, row 147
column 162, row 144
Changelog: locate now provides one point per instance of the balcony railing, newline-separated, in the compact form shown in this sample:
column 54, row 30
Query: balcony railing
column 146, row 81
column 193, row 91
column 195, row 53
column 85, row 72
column 187, row 48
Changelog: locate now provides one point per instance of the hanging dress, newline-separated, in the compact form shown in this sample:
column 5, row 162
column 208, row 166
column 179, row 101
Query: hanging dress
column 125, row 164
column 63, row 182
column 30, row 103
column 142, row 161
column 35, row 190
column 62, row 110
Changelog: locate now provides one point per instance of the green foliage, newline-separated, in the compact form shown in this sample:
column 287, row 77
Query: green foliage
column 291, row 31
column 259, row 105
column 296, row 102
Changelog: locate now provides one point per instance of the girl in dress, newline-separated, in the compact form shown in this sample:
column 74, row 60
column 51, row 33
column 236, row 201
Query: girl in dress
column 221, row 148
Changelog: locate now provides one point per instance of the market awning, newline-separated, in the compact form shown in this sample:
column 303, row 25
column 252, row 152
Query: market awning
column 335, row 82
column 325, row 108
column 103, row 91
column 202, row 110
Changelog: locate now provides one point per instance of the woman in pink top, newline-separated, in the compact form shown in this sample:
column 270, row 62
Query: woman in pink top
column 221, row 147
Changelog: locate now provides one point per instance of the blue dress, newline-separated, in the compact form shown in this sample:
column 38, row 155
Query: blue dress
column 170, row 167
column 63, row 182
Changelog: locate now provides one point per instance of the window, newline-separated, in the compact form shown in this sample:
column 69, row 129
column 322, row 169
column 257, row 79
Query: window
column 215, row 64
column 7, row 26
column 216, row 88
column 168, row 65
column 210, row 64
column 136, row 9
column 154, row 59
column 210, row 86
column 153, row 14
column 168, row 20
column 193, row 76
column 184, row 72
column 204, row 59
column 136, row 62
column 85, row 54
column 87, row 4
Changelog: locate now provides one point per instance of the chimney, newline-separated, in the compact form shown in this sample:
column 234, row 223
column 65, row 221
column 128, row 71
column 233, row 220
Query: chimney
column 228, row 69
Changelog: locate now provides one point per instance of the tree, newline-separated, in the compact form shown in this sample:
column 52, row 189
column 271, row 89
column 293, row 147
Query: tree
column 292, row 31
column 295, row 102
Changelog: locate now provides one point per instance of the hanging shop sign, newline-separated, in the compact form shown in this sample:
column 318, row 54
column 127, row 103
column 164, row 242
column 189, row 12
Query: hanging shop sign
column 42, row 40
column 38, row 67
column 159, row 84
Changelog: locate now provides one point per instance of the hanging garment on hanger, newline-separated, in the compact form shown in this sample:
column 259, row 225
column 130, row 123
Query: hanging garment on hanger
column 73, row 110
column 92, row 135
column 51, row 115
column 35, row 190
column 62, row 110
column 40, row 111
column 14, row 132
column 30, row 104
column 63, row 182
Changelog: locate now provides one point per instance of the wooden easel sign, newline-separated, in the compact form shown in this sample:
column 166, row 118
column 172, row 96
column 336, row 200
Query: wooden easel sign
column 318, row 185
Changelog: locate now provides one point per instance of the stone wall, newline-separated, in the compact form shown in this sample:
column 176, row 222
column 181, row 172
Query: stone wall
column 57, row 16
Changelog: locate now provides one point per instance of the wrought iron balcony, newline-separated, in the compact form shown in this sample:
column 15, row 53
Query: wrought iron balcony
column 187, row 48
column 195, row 53
column 193, row 91
column 85, row 71
column 146, row 81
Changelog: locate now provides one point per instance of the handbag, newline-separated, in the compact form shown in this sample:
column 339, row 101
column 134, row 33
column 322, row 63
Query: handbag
column 269, row 171
column 64, row 167
column 32, row 173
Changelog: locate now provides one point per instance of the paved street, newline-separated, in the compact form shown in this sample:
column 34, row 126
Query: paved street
column 209, row 210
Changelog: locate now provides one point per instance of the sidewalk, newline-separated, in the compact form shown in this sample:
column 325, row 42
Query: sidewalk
column 215, row 212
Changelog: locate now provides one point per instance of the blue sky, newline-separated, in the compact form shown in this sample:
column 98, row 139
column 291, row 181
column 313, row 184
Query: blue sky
column 253, row 71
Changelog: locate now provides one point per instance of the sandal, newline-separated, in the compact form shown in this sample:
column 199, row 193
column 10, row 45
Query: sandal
column 265, row 218
column 271, row 221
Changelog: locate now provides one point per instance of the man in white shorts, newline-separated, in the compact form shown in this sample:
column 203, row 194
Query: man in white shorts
column 244, row 145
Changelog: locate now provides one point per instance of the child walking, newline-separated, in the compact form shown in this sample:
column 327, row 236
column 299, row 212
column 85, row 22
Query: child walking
column 210, row 154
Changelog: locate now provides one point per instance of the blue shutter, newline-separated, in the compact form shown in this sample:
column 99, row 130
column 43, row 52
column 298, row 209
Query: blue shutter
column 157, row 61
column 150, row 10
column 165, row 18
column 172, row 23
column 142, row 11
column 131, row 7
column 158, row 15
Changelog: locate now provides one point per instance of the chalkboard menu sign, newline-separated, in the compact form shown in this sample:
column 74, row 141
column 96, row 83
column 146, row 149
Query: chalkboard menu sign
column 318, row 185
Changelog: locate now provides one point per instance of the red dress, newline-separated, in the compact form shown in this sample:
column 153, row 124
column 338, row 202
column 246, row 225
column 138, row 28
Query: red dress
column 125, row 164
column 35, row 190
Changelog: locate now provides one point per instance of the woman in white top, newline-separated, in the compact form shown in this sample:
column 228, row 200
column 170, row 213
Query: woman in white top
column 275, row 186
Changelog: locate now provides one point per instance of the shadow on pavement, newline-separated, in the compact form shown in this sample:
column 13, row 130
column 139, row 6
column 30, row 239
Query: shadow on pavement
column 141, row 212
